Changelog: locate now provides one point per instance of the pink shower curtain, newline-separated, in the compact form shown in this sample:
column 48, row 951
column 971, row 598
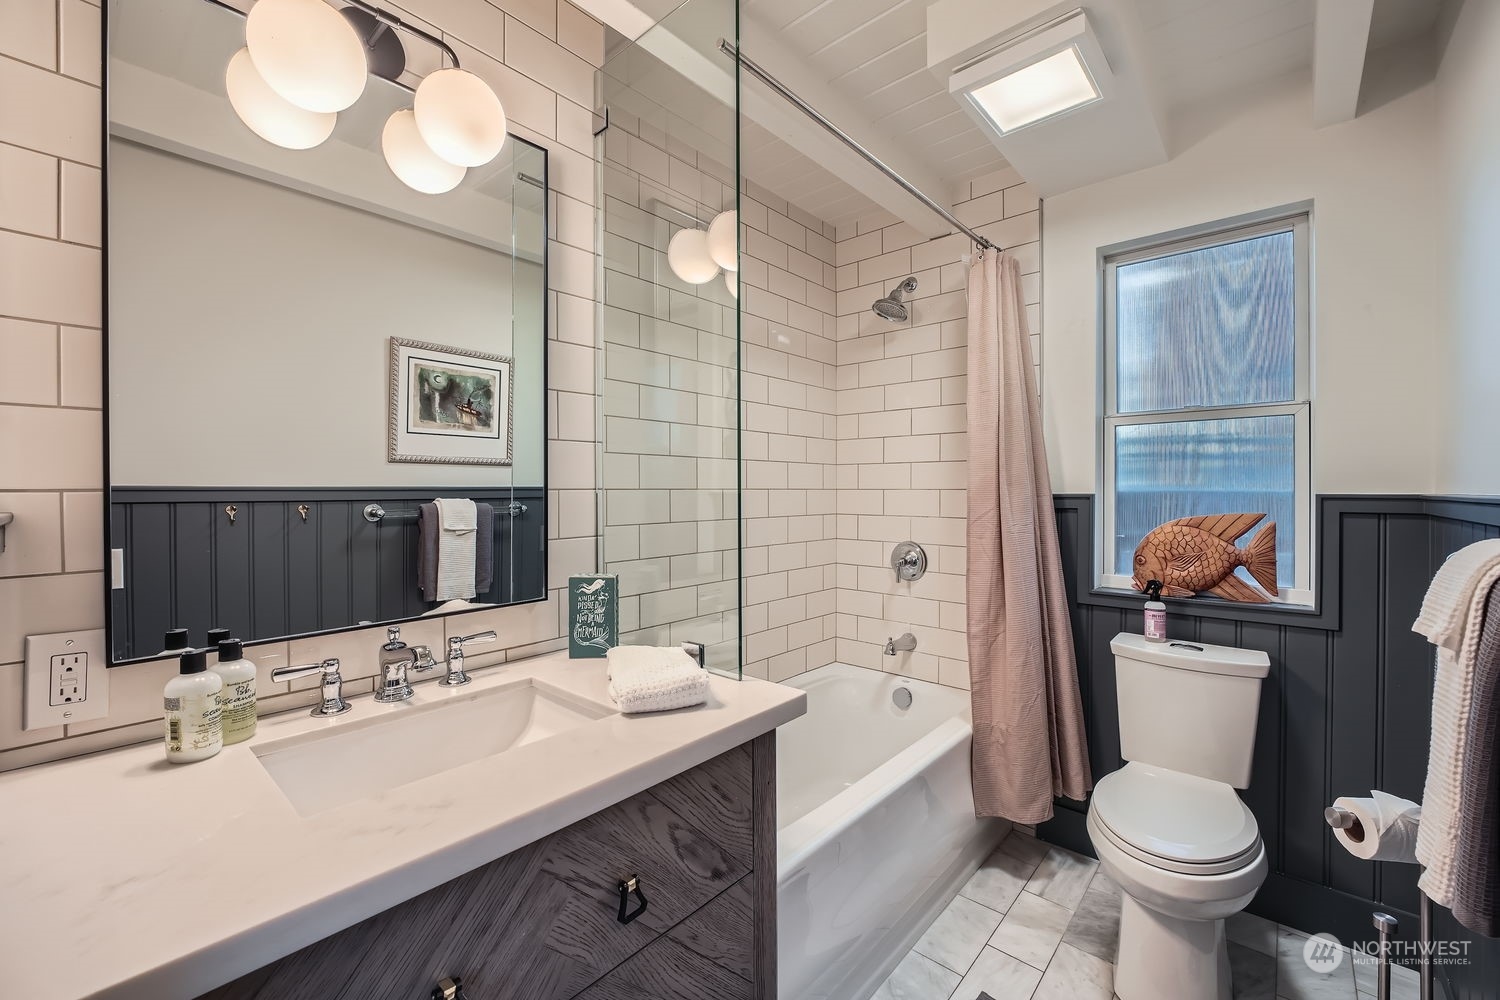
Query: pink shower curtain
column 1029, row 742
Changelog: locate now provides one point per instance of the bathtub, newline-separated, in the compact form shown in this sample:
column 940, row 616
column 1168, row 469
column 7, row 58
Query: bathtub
column 877, row 829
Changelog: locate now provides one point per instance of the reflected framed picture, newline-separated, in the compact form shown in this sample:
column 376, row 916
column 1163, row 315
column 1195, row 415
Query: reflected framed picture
column 449, row 405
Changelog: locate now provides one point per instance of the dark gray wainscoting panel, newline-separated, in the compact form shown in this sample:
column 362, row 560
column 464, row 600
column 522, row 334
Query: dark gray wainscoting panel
column 271, row 573
column 1346, row 707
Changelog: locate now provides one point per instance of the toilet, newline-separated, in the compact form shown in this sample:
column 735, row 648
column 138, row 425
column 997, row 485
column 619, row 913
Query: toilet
column 1168, row 827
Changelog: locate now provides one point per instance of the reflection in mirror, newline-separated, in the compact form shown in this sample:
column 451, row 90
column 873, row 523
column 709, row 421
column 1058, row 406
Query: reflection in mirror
column 299, row 342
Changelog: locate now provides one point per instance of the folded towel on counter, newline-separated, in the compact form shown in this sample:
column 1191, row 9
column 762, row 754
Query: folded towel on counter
column 1476, row 866
column 1451, row 618
column 428, row 534
column 655, row 679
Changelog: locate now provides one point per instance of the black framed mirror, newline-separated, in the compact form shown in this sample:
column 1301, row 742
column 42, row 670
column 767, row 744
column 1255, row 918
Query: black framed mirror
column 303, row 351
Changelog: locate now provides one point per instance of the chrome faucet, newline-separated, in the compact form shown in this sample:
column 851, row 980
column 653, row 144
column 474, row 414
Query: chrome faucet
column 905, row 644
column 396, row 659
column 333, row 685
column 456, row 676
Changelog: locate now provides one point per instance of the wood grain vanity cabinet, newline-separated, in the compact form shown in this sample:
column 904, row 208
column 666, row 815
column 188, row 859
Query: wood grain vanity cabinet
column 543, row 923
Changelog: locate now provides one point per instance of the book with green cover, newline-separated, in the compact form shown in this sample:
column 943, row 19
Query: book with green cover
column 593, row 615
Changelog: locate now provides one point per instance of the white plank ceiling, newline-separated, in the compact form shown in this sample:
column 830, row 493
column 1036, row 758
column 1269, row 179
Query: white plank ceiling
column 873, row 52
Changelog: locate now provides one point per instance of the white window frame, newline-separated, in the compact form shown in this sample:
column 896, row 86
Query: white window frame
column 1297, row 221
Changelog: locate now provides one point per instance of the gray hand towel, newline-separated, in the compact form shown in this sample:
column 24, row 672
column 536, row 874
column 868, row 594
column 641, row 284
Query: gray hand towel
column 484, row 549
column 428, row 530
column 1476, row 888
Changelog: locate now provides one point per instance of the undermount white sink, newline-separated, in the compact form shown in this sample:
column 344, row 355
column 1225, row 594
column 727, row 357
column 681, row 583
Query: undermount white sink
column 355, row 760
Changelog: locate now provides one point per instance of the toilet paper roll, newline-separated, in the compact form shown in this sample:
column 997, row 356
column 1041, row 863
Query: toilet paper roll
column 1387, row 827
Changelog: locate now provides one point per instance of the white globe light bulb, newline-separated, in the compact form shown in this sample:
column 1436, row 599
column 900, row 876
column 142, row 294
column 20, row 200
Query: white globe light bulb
column 723, row 233
column 460, row 117
column 267, row 113
column 418, row 167
column 687, row 253
column 732, row 282
column 307, row 53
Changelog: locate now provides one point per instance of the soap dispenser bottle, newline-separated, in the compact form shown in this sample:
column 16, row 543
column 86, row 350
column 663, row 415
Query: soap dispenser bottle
column 237, row 699
column 175, row 642
column 1156, row 613
column 191, row 704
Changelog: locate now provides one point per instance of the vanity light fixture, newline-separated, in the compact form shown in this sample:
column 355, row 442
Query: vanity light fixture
column 412, row 160
column 723, row 237
column 460, row 118
column 304, row 61
column 267, row 113
column 732, row 282
column 688, row 256
column 307, row 52
column 1039, row 75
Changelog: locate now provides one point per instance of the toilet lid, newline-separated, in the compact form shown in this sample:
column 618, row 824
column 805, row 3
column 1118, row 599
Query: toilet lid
column 1189, row 823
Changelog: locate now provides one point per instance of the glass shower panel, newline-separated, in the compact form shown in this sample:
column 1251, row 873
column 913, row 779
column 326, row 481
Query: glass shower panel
column 669, row 372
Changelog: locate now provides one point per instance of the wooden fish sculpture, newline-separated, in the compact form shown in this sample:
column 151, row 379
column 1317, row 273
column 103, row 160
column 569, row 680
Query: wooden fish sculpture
column 1193, row 555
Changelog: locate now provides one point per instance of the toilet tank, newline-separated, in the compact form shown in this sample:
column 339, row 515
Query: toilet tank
column 1189, row 706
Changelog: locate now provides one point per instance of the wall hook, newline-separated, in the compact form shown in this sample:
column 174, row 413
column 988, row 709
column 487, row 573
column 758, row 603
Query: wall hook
column 232, row 511
column 302, row 509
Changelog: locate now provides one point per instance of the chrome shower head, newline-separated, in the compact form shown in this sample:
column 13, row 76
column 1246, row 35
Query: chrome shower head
column 891, row 308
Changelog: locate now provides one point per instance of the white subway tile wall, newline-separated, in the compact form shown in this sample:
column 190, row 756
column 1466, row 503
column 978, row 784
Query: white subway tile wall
column 669, row 418
column 540, row 56
column 901, row 467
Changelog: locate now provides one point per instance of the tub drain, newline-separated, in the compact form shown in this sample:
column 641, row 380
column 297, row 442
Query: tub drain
column 901, row 697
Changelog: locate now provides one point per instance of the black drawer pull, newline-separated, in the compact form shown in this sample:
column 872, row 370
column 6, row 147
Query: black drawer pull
column 631, row 885
column 449, row 989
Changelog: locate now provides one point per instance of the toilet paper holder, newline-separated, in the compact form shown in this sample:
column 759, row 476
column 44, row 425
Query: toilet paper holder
column 1340, row 818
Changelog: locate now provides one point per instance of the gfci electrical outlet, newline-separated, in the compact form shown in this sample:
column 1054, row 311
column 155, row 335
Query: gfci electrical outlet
column 66, row 679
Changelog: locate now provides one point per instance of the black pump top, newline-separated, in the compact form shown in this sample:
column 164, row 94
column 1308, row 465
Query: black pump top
column 1153, row 590
column 230, row 650
column 218, row 635
column 194, row 661
column 177, row 638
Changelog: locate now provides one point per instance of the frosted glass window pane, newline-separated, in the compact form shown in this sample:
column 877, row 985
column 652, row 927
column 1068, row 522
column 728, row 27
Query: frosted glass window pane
column 1191, row 467
column 1209, row 327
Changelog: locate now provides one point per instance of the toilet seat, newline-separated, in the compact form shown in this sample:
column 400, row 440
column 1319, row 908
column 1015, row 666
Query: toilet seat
column 1174, row 821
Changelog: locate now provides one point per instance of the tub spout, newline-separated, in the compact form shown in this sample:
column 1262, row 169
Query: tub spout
column 906, row 643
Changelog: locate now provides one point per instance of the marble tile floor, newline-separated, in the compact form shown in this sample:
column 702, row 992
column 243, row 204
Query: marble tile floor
column 1037, row 922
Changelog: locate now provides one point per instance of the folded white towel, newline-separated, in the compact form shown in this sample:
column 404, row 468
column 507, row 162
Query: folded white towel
column 1445, row 609
column 655, row 679
column 459, row 520
column 1451, row 618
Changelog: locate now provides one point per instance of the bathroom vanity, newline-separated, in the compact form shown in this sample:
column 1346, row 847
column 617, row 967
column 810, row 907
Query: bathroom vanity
column 549, row 848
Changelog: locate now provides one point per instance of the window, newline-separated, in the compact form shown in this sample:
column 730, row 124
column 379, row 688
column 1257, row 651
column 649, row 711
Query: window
column 1206, row 390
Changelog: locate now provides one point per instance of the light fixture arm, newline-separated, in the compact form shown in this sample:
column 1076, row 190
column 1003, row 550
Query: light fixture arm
column 385, row 19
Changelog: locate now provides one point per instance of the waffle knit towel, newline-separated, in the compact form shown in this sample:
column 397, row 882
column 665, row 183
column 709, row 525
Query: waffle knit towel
column 1445, row 609
column 1476, row 881
column 1451, row 618
column 655, row 679
column 458, row 523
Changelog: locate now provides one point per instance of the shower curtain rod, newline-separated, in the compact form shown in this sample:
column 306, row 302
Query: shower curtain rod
column 807, row 109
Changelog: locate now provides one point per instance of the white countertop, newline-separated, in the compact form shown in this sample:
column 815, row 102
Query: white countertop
column 123, row 876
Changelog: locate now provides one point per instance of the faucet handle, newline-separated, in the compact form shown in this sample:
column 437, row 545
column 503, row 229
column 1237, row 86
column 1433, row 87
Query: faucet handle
column 392, row 636
column 456, row 675
column 456, row 643
column 333, row 702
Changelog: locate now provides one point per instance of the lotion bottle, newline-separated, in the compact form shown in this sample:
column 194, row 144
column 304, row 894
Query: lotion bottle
column 1156, row 613
column 191, row 704
column 237, row 699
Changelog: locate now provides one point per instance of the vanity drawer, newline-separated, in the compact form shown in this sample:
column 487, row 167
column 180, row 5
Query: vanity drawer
column 706, row 957
column 542, row 923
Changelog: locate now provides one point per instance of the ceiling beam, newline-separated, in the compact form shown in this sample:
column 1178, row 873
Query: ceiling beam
column 1341, row 36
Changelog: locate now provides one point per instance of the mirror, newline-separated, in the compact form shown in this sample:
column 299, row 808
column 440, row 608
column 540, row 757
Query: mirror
column 298, row 342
